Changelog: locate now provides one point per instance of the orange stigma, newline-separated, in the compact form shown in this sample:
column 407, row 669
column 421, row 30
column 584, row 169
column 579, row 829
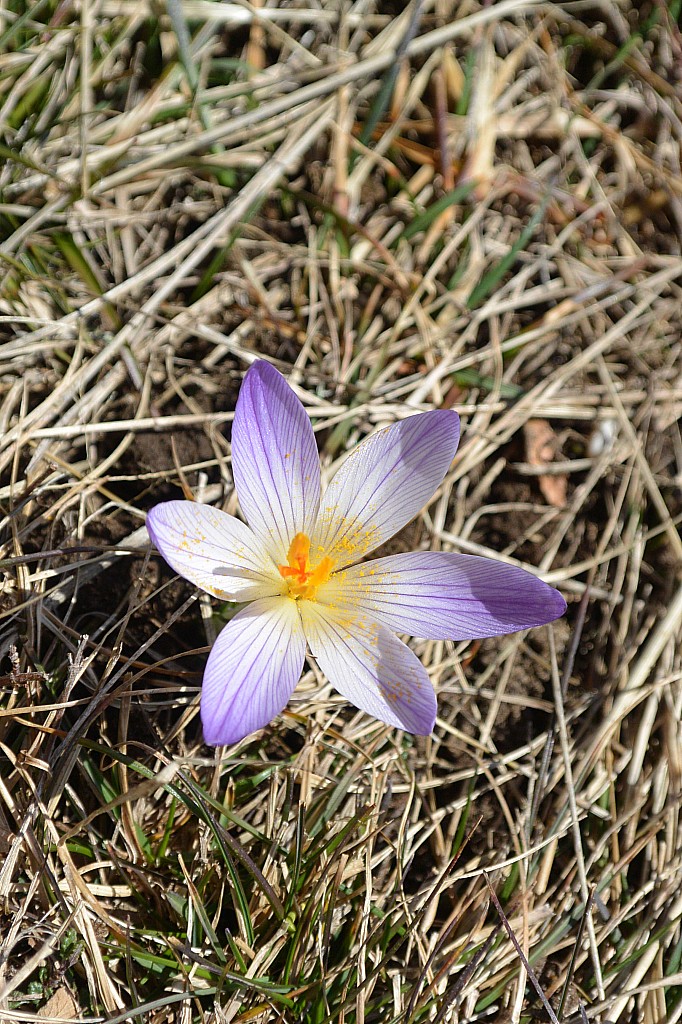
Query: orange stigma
column 303, row 580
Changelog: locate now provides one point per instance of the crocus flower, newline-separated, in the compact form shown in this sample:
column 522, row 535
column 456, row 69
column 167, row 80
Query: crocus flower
column 299, row 570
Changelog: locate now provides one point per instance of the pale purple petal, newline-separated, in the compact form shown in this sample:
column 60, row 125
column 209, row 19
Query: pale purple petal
column 274, row 460
column 384, row 483
column 252, row 670
column 213, row 550
column 371, row 667
column 440, row 595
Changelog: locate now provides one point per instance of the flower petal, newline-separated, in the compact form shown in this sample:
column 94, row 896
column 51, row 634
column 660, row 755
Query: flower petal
column 274, row 460
column 213, row 550
column 371, row 667
column 252, row 670
column 441, row 595
column 384, row 483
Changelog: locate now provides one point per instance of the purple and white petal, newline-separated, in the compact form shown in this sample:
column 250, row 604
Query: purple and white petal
column 371, row 667
column 213, row 550
column 441, row 595
column 384, row 483
column 275, row 462
column 252, row 670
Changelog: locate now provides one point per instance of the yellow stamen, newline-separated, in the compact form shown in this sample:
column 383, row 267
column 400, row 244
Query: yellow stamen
column 303, row 580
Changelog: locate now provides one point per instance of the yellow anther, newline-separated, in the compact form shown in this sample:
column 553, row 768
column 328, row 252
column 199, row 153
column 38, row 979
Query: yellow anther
column 302, row 579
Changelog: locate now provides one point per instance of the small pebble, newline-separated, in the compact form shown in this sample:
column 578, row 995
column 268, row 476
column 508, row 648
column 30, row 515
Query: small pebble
column 602, row 437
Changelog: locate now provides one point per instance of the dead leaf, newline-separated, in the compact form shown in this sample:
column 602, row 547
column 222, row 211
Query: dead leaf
column 60, row 1005
column 541, row 445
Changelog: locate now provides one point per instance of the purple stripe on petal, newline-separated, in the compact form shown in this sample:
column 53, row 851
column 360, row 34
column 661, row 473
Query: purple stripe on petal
column 252, row 670
column 213, row 550
column 384, row 483
column 371, row 667
column 274, row 460
column 441, row 595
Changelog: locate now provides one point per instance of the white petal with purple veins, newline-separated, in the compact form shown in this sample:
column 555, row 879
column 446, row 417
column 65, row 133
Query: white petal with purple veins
column 252, row 670
column 383, row 484
column 440, row 595
column 371, row 667
column 213, row 550
column 275, row 462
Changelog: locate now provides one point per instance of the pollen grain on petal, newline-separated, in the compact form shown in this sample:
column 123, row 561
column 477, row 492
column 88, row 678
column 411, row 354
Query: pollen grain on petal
column 348, row 592
column 346, row 539
column 395, row 690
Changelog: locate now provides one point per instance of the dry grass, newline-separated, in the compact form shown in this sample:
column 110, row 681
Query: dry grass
column 477, row 207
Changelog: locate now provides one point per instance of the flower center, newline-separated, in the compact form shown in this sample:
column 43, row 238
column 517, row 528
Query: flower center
column 302, row 579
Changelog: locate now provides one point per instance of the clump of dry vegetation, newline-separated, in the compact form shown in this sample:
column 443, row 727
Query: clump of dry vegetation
column 441, row 204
